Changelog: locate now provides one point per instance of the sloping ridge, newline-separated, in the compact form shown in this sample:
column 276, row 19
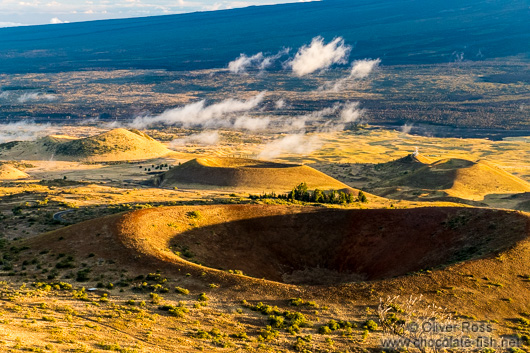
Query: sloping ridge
column 117, row 144
column 462, row 178
column 246, row 174
column 8, row 172
column 298, row 245
column 399, row 38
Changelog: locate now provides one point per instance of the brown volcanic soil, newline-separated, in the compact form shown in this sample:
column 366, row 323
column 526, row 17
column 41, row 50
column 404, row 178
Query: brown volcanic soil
column 246, row 174
column 336, row 245
column 301, row 245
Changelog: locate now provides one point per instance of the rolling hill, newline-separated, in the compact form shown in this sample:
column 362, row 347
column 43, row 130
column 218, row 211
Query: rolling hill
column 8, row 172
column 246, row 174
column 114, row 145
column 458, row 178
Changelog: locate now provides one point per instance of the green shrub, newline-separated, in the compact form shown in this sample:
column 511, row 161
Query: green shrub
column 82, row 275
column 182, row 291
column 370, row 325
column 268, row 334
column 194, row 215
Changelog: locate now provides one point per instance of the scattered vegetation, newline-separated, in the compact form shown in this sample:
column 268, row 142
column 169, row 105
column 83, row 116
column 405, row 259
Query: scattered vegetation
column 301, row 193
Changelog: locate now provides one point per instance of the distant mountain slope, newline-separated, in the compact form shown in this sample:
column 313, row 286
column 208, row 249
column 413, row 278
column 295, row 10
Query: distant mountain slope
column 399, row 32
column 114, row 145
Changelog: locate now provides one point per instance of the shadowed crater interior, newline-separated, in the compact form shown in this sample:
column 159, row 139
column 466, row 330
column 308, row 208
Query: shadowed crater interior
column 334, row 245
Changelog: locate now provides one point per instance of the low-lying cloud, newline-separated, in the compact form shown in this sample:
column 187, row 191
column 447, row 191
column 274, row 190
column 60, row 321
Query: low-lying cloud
column 360, row 69
column 251, row 123
column 319, row 56
column 199, row 114
column 257, row 61
column 290, row 144
column 244, row 62
column 36, row 96
column 334, row 118
column 23, row 131
column 205, row 138
column 407, row 128
column 351, row 112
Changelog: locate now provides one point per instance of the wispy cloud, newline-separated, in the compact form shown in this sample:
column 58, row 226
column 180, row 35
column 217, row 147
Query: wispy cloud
column 360, row 69
column 334, row 118
column 407, row 128
column 252, row 124
column 36, row 96
column 244, row 62
column 201, row 115
column 318, row 56
column 23, row 131
column 290, row 144
column 10, row 24
column 257, row 61
column 203, row 138
column 56, row 20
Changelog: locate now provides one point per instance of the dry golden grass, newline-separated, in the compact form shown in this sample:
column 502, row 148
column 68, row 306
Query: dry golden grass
column 246, row 174
column 8, row 172
column 459, row 178
column 490, row 285
column 115, row 145
column 478, row 256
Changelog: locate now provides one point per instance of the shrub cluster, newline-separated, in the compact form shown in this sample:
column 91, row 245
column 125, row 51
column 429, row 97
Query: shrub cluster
column 301, row 193
column 291, row 321
column 334, row 325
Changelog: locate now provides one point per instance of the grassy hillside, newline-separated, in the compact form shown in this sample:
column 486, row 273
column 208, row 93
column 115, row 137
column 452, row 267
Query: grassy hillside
column 246, row 174
column 8, row 172
column 459, row 178
column 467, row 260
column 117, row 144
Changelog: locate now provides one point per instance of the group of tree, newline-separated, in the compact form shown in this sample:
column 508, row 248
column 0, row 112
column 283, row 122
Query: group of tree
column 302, row 193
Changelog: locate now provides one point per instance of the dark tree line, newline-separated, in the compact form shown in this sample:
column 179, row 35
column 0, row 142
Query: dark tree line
column 301, row 193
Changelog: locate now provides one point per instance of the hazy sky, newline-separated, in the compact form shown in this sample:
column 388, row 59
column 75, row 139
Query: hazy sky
column 26, row 12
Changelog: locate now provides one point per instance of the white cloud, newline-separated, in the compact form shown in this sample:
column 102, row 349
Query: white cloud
column 290, row 144
column 11, row 24
column 334, row 118
column 36, row 96
column 198, row 114
column 280, row 104
column 241, row 64
column 202, row 138
column 250, row 123
column 351, row 112
column 23, row 131
column 407, row 128
column 56, row 20
column 318, row 56
column 257, row 61
column 360, row 69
